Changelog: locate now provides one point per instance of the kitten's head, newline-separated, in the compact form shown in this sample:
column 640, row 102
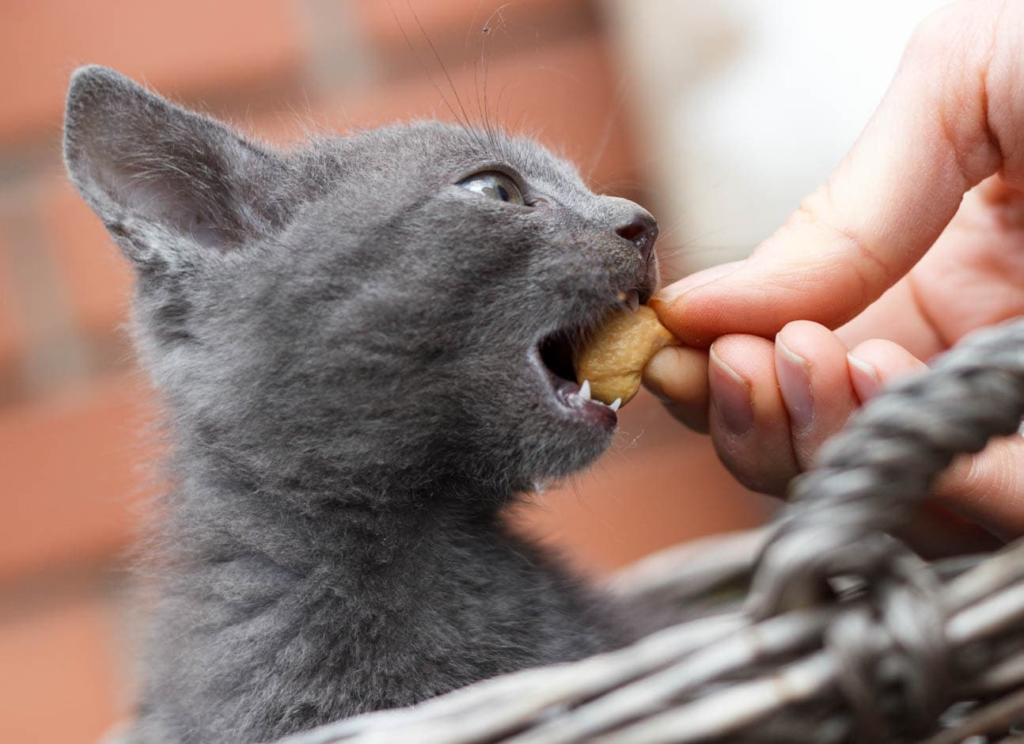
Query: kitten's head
column 400, row 301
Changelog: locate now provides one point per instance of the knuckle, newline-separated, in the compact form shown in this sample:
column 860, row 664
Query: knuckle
column 953, row 53
column 932, row 37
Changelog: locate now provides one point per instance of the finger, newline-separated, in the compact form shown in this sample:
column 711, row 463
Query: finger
column 814, row 380
column 889, row 315
column 878, row 362
column 678, row 376
column 748, row 420
column 950, row 118
column 934, row 531
column 984, row 488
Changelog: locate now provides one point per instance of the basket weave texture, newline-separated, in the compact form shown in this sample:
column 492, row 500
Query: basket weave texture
column 823, row 627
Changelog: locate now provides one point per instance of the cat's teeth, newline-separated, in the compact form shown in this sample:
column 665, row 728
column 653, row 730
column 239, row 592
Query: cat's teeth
column 615, row 405
column 585, row 390
column 630, row 299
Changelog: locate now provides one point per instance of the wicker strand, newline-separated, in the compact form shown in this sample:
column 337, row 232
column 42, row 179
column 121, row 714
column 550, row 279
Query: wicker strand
column 730, row 699
column 873, row 473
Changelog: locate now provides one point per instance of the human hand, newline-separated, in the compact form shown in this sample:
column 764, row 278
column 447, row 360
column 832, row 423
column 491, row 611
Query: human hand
column 888, row 253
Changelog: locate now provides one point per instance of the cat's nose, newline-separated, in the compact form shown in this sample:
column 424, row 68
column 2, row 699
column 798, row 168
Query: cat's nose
column 641, row 231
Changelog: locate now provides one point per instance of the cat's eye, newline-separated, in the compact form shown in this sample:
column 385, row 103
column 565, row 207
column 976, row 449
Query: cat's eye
column 494, row 185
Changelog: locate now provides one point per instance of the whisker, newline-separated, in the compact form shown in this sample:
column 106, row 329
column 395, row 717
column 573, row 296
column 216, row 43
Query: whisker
column 469, row 126
column 672, row 252
column 423, row 66
column 609, row 126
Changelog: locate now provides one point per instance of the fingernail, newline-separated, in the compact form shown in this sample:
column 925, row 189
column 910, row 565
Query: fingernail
column 700, row 278
column 795, row 385
column 731, row 396
column 864, row 378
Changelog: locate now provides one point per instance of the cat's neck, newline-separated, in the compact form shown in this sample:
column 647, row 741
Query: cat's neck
column 352, row 515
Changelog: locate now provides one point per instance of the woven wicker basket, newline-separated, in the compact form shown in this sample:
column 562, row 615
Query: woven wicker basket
column 821, row 628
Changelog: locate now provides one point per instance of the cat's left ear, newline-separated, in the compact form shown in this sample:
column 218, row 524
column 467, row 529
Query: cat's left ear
column 164, row 179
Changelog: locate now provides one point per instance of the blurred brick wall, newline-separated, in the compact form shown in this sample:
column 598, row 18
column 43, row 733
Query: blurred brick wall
column 73, row 459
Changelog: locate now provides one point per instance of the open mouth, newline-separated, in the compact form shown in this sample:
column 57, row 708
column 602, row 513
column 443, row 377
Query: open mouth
column 558, row 352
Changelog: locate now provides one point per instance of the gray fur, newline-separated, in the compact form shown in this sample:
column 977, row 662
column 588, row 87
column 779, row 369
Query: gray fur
column 345, row 343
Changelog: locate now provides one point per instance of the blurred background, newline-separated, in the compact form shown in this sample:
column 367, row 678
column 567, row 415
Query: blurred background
column 717, row 116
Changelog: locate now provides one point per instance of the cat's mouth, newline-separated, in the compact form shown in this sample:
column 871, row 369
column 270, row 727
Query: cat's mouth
column 557, row 354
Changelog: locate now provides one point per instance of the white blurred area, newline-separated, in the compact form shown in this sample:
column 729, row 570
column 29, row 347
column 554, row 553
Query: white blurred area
column 746, row 105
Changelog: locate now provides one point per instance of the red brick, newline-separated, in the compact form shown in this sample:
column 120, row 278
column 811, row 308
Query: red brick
column 60, row 681
column 95, row 276
column 73, row 468
column 180, row 46
column 12, row 331
column 561, row 93
column 459, row 18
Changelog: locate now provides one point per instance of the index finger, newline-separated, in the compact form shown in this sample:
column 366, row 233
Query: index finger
column 952, row 116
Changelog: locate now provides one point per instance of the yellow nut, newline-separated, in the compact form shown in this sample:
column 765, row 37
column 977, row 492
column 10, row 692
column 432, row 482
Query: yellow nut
column 615, row 356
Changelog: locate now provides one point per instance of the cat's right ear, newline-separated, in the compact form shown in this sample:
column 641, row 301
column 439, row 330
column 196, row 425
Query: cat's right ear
column 167, row 183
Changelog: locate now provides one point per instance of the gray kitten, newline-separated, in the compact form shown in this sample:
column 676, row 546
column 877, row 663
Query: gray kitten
column 364, row 350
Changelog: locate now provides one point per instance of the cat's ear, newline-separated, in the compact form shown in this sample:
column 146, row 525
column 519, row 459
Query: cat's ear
column 165, row 180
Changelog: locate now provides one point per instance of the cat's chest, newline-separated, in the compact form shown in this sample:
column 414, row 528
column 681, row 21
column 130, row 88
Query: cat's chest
column 403, row 639
column 353, row 636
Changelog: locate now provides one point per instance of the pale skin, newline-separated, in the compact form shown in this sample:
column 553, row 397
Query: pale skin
column 914, row 240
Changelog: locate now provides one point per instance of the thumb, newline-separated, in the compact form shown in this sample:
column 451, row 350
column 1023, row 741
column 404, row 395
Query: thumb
column 950, row 114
